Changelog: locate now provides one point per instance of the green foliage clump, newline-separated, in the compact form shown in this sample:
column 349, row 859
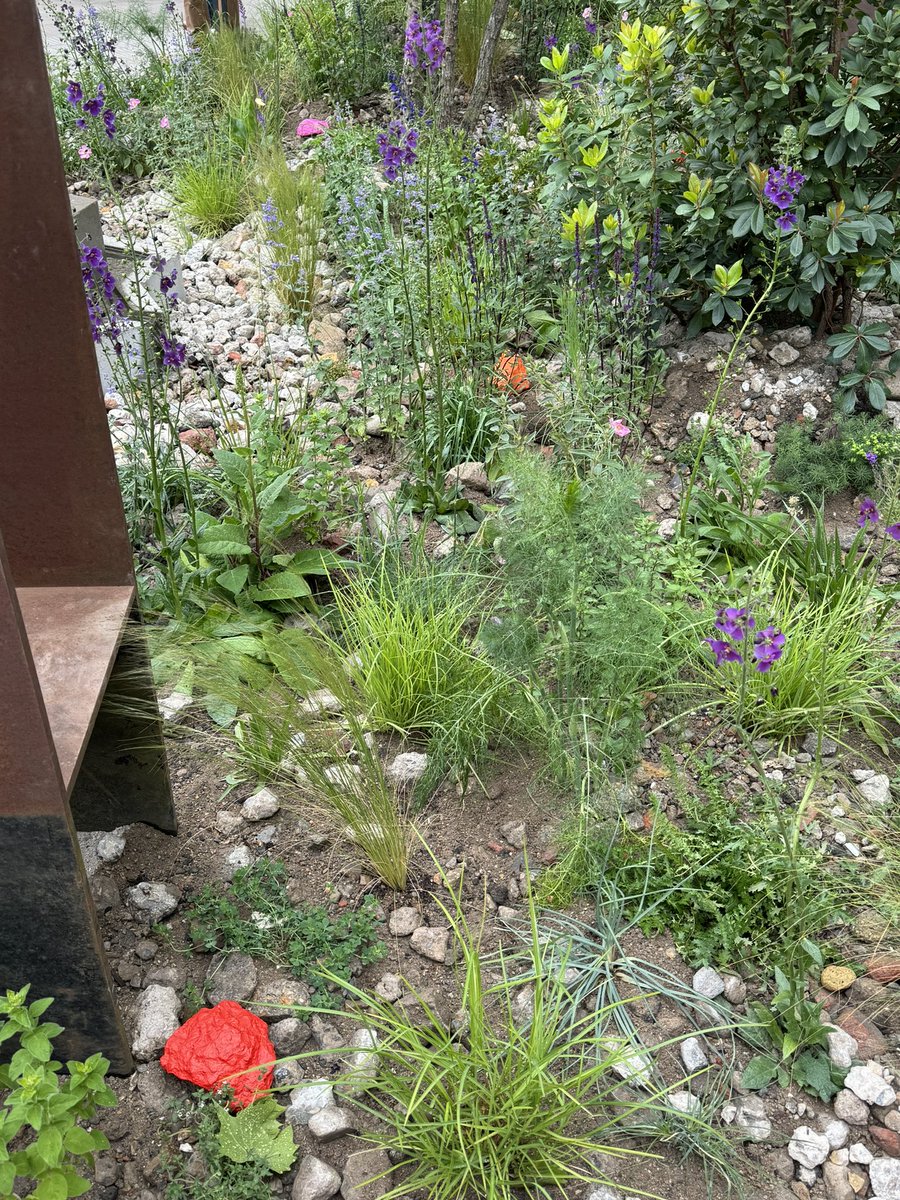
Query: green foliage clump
column 513, row 1109
column 678, row 115
column 211, row 189
column 584, row 620
column 42, row 1113
column 726, row 888
column 293, row 202
column 790, row 1031
column 255, row 916
column 224, row 1178
column 817, row 465
column 409, row 629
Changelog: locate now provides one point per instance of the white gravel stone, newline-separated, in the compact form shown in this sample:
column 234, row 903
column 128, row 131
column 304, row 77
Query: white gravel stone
column 842, row 1048
column 156, row 1020
column 838, row 1134
column 404, row 921
column 155, row 900
column 709, row 983
column 861, row 1154
column 869, row 1086
column 431, row 942
column 260, row 806
column 408, row 767
column 752, row 1120
column 693, row 1055
column 315, row 1180
column 307, row 1099
column 111, row 846
column 807, row 1147
column 877, row 789
column 884, row 1175
column 331, row 1123
column 848, row 1107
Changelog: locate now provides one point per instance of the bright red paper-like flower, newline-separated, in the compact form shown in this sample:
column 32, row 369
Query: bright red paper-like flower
column 223, row 1045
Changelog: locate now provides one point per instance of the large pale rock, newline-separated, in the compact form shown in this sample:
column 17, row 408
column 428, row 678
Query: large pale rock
column 870, row 1086
column 315, row 1180
column 807, row 1147
column 366, row 1175
column 307, row 1099
column 156, row 1021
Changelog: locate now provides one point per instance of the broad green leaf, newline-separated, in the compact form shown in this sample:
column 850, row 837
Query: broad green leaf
column 234, row 466
column 53, row 1186
column 79, row 1141
column 283, row 585
column 223, row 540
column 759, row 1072
column 255, row 1134
column 234, row 579
column 851, row 117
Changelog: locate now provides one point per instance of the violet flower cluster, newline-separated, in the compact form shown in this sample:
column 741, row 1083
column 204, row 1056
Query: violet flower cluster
column 424, row 44
column 397, row 147
column 736, row 627
column 782, row 186
column 869, row 516
column 173, row 353
column 105, row 308
column 95, row 107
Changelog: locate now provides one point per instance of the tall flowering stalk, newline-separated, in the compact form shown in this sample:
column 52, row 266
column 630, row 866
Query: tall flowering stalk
column 423, row 44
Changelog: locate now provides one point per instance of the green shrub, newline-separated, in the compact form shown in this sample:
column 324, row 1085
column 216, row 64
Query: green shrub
column 255, row 916
column 727, row 888
column 690, row 106
column 43, row 1113
column 583, row 617
column 223, row 1179
column 815, row 465
column 211, row 190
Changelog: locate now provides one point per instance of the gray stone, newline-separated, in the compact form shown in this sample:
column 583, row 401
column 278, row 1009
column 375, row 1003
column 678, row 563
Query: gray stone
column 366, row 1175
column 260, row 806
column 228, row 822
column 111, row 846
column 811, row 745
column 240, row 857
column 837, row 1182
column 326, row 1034
column 155, row 1021
column 735, row 989
column 709, row 983
column 807, row 1147
column 861, row 1154
column 155, row 901
column 800, row 336
column 307, row 1099
column 697, row 422
column 848, row 1107
column 604, row 1192
column 514, row 832
column 842, row 1048
column 331, row 1123
column 877, row 789
column 666, row 528
column 274, row 999
column 157, row 1088
column 389, row 987
column 884, row 1175
column 289, row 1036
column 469, row 474
column 315, row 1180
column 751, row 1119
column 684, row 1102
column 784, row 354
column 407, row 768
column 693, row 1055
column 838, row 1134
column 231, row 977
column 869, row 1086
column 431, row 942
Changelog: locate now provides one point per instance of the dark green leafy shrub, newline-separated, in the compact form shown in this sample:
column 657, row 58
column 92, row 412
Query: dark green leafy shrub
column 726, row 888
column 307, row 938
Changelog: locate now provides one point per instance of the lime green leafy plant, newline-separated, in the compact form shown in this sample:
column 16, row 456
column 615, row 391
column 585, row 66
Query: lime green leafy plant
column 42, row 1139
column 255, row 1135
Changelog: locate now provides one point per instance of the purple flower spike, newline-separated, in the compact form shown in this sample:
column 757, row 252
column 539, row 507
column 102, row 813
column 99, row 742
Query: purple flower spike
column 424, row 45
column 74, row 94
column 893, row 531
column 871, row 457
column 94, row 107
column 734, row 623
column 768, row 647
column 173, row 353
column 397, row 147
column 786, row 222
column 723, row 651
column 868, row 514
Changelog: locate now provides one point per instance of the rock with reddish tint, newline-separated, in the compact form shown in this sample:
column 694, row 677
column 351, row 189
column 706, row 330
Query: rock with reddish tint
column 885, row 968
column 887, row 1141
column 871, row 1043
column 201, row 440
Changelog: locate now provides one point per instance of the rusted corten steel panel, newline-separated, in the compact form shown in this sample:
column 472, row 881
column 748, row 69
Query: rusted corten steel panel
column 60, row 505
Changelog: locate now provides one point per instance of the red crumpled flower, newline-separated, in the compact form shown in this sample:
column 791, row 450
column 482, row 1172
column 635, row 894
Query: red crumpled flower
column 214, row 1044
